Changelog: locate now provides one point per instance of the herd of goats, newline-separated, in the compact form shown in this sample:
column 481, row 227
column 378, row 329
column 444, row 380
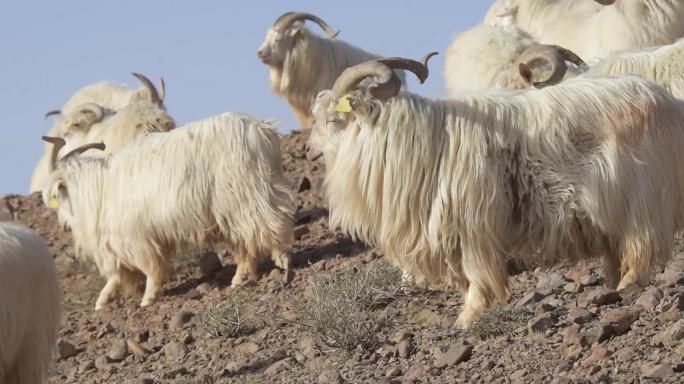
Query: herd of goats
column 537, row 155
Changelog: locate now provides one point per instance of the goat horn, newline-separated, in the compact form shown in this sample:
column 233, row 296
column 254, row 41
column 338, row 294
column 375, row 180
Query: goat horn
column 286, row 19
column 569, row 55
column 154, row 94
column 53, row 112
column 57, row 144
column 419, row 68
column 101, row 146
column 548, row 54
column 162, row 89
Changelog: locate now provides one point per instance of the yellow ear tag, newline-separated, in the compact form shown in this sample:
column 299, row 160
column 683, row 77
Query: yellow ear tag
column 343, row 105
column 52, row 202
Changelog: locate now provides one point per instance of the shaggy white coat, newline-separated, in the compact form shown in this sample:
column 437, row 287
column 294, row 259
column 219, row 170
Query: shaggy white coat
column 30, row 306
column 218, row 179
column 449, row 189
column 304, row 64
column 594, row 31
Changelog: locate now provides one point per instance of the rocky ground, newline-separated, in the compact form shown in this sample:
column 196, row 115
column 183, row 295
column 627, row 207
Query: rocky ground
column 560, row 324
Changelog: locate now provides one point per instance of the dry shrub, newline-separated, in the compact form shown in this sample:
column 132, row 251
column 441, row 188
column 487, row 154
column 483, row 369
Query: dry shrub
column 501, row 320
column 346, row 311
column 227, row 318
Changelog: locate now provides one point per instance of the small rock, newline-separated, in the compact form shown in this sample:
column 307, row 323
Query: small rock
column 209, row 263
column 65, row 349
column 279, row 366
column 542, row 323
column 174, row 351
column 401, row 336
column 602, row 296
column 330, row 376
column 580, row 316
column 517, row 375
column 573, row 287
column 572, row 335
column 139, row 381
column 551, row 281
column 137, row 349
column 300, row 231
column 102, row 362
column 193, row 294
column 620, row 319
column 531, row 297
column 650, row 299
column 662, row 371
column 455, row 354
column 118, row 351
column 599, row 333
column 393, row 372
column 303, row 184
column 596, row 356
column 85, row 366
column 404, row 348
column 674, row 334
column 179, row 320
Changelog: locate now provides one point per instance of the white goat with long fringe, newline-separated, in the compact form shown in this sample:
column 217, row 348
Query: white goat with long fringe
column 662, row 65
column 449, row 189
column 30, row 306
column 219, row 179
column 302, row 64
column 594, row 29
column 92, row 105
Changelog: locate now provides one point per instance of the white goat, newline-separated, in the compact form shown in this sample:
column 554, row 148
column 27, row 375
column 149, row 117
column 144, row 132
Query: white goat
column 97, row 102
column 618, row 26
column 662, row 65
column 487, row 57
column 302, row 64
column 30, row 307
column 450, row 189
column 218, row 179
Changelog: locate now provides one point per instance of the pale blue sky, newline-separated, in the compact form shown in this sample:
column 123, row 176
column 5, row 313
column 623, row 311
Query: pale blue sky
column 206, row 51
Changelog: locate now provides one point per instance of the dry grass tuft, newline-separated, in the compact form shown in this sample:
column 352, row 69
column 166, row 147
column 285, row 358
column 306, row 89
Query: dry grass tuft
column 227, row 318
column 346, row 311
column 501, row 320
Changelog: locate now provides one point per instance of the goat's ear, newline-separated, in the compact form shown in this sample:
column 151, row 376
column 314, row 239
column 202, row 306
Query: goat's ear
column 297, row 32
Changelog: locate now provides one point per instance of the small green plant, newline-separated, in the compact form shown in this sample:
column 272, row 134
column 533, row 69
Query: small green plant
column 498, row 321
column 227, row 318
column 344, row 311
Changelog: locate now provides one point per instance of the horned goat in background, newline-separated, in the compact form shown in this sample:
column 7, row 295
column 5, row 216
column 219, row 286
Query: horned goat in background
column 595, row 30
column 219, row 179
column 95, row 105
column 30, row 306
column 450, row 189
column 662, row 65
column 302, row 63
column 488, row 57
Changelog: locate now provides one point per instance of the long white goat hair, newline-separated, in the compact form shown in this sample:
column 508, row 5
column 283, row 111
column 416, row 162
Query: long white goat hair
column 662, row 65
column 218, row 179
column 310, row 65
column 476, row 58
column 30, row 306
column 451, row 188
column 108, row 95
column 625, row 25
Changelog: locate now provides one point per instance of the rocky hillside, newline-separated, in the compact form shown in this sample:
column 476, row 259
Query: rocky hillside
column 345, row 317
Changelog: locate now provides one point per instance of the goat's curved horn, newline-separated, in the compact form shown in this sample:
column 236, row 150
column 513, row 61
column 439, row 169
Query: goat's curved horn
column 286, row 19
column 57, row 144
column 77, row 151
column 52, row 113
column 154, row 94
